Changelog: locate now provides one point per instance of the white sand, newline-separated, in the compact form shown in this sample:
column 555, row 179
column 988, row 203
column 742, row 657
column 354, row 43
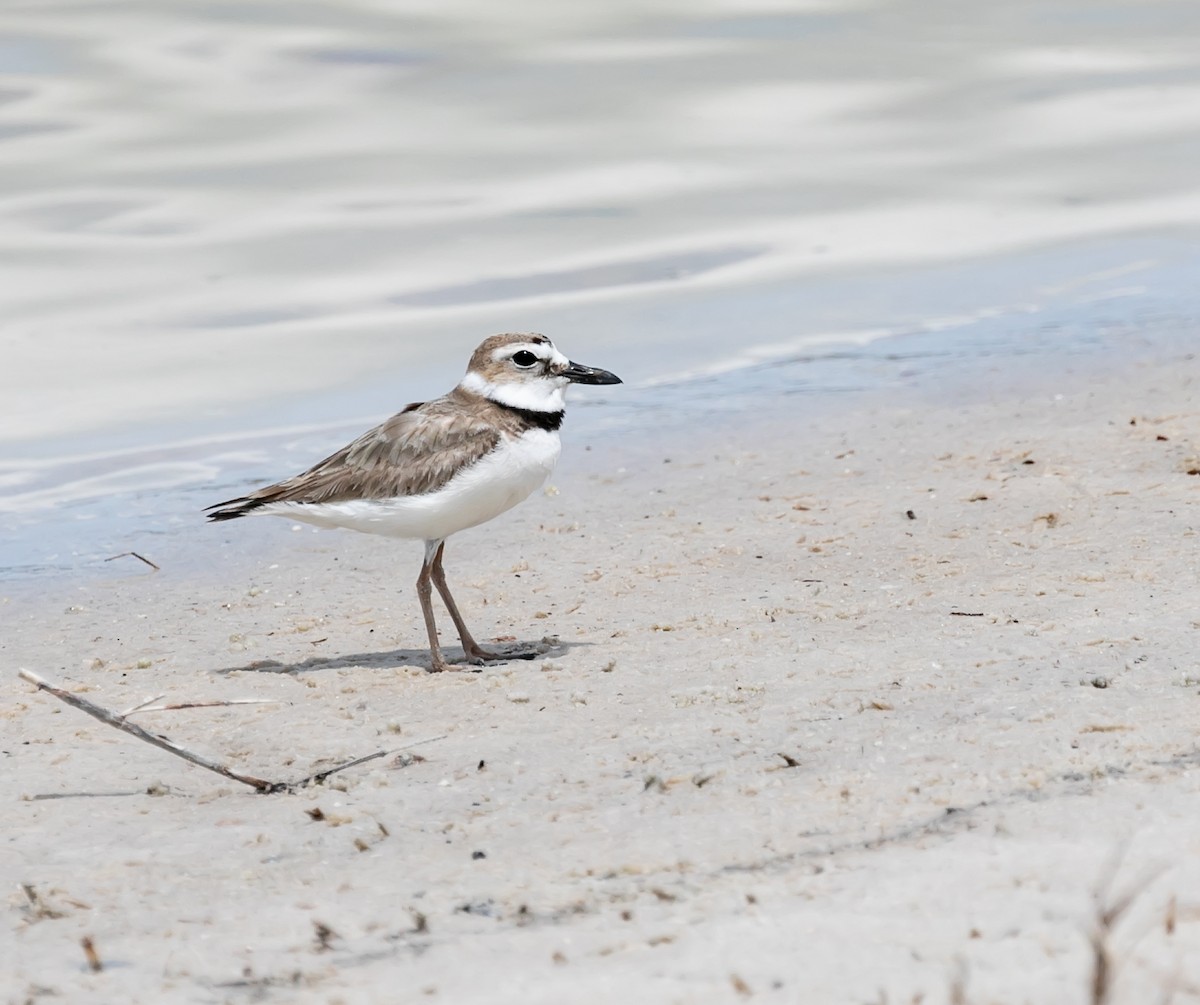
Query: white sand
column 960, row 782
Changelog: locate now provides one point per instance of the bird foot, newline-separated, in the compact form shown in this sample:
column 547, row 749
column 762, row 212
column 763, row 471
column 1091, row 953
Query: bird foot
column 523, row 654
column 477, row 657
column 481, row 656
column 441, row 666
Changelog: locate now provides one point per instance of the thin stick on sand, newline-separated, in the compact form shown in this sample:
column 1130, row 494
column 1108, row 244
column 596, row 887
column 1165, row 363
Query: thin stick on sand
column 176, row 706
column 134, row 554
column 140, row 705
column 260, row 785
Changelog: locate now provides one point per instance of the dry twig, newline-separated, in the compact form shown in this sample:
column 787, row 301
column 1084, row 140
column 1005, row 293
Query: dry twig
column 260, row 785
column 37, row 909
column 95, row 964
column 134, row 554
column 1111, row 910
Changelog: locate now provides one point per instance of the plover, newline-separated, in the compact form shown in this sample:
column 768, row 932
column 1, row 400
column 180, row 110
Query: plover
column 441, row 466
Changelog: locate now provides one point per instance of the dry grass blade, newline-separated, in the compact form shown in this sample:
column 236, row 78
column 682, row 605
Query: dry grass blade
column 141, row 705
column 176, row 706
column 320, row 776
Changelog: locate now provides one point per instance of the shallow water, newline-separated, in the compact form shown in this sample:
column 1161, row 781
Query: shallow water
column 222, row 220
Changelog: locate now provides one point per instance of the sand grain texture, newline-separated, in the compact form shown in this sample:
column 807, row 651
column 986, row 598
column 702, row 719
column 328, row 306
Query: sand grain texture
column 841, row 709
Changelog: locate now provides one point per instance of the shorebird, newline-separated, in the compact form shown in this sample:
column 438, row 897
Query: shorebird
column 441, row 466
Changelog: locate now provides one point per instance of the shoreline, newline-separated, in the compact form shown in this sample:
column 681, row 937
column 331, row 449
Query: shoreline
column 985, row 703
column 63, row 514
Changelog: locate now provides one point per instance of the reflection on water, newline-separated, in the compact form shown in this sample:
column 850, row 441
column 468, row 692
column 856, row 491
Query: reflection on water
column 216, row 215
column 613, row 274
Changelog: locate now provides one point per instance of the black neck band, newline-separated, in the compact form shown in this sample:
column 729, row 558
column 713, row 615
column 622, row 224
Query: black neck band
column 549, row 421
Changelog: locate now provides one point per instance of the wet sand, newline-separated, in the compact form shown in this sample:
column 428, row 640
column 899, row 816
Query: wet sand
column 846, row 704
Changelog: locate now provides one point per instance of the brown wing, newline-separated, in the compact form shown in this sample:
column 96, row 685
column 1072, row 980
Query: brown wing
column 414, row 452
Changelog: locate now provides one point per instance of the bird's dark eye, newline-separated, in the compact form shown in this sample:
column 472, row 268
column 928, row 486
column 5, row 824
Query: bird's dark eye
column 524, row 358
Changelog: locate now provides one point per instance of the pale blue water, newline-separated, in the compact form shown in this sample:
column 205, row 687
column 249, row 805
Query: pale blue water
column 130, row 497
column 232, row 235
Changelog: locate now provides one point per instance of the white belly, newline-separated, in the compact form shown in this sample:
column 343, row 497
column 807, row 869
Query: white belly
column 493, row 484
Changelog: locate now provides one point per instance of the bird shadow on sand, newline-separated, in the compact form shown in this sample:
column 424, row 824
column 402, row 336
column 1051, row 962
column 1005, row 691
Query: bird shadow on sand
column 391, row 659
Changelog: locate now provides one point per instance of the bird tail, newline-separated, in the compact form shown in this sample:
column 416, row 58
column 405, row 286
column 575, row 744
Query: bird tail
column 231, row 509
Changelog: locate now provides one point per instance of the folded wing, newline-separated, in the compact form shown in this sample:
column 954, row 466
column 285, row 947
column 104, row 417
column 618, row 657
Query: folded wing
column 413, row 453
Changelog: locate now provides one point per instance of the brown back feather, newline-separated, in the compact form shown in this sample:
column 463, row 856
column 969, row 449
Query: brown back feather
column 414, row 452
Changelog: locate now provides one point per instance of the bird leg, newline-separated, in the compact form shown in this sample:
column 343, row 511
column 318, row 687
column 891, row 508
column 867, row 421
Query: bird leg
column 425, row 595
column 472, row 648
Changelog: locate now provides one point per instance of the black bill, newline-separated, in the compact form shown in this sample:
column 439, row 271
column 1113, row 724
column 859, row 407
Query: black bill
column 577, row 373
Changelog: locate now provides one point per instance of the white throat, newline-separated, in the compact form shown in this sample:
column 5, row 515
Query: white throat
column 535, row 396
